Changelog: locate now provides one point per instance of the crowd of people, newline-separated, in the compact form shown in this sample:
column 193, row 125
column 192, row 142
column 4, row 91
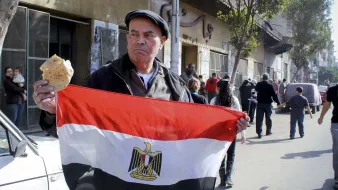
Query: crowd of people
column 254, row 97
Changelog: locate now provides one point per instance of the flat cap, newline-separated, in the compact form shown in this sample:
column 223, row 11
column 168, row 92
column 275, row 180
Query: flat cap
column 151, row 15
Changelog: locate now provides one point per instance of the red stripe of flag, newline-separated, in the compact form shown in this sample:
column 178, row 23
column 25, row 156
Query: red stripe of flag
column 143, row 117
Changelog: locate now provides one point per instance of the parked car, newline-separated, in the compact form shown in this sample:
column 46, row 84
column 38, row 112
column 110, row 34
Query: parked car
column 310, row 91
column 322, row 91
column 26, row 164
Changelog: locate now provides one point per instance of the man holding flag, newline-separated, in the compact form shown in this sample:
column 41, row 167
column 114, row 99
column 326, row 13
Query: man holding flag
column 138, row 73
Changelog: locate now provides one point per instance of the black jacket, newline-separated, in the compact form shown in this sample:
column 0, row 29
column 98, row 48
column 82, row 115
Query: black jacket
column 13, row 92
column 199, row 99
column 245, row 92
column 265, row 93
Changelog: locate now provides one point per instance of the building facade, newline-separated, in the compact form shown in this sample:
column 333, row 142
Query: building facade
column 90, row 33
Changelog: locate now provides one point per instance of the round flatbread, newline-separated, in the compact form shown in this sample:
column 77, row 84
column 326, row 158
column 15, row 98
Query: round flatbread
column 57, row 72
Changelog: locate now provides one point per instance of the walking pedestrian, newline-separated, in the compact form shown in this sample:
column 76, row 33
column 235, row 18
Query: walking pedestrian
column 245, row 94
column 137, row 73
column 227, row 99
column 297, row 104
column 252, row 106
column 265, row 94
column 211, row 86
column 281, row 91
column 332, row 98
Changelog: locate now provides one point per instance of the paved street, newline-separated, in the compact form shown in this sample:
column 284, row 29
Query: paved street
column 277, row 163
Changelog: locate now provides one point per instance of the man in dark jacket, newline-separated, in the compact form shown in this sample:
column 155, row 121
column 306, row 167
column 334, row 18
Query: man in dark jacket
column 245, row 94
column 137, row 73
column 265, row 94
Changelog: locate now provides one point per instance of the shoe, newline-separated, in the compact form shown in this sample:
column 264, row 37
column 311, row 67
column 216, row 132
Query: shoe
column 301, row 136
column 292, row 138
column 259, row 136
column 268, row 133
column 229, row 182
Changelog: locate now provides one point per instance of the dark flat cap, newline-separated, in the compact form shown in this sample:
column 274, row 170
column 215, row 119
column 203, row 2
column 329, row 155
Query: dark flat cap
column 151, row 15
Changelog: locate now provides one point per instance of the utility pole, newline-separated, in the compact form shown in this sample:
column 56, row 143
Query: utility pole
column 175, row 36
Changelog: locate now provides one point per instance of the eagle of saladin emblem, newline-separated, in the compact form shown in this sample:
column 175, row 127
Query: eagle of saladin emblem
column 144, row 164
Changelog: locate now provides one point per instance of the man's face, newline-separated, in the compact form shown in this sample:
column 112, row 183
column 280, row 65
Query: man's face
column 191, row 69
column 144, row 41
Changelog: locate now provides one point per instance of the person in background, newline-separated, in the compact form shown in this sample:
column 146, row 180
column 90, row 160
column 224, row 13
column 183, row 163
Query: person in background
column 19, row 80
column 275, row 86
column 189, row 73
column 232, row 87
column 252, row 106
column 225, row 98
column 265, row 94
column 281, row 91
column 15, row 102
column 194, row 87
column 245, row 94
column 203, row 90
column 332, row 98
column 297, row 104
column 211, row 86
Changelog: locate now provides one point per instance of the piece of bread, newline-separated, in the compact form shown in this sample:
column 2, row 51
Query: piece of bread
column 57, row 72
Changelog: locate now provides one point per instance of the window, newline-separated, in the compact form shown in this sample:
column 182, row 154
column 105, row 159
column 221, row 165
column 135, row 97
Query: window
column 218, row 64
column 122, row 42
column 4, row 143
column 258, row 71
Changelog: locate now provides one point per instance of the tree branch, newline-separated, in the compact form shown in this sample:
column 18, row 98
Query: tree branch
column 7, row 11
column 246, row 4
column 231, row 5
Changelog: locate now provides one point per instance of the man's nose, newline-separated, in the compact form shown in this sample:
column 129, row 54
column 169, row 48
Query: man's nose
column 141, row 40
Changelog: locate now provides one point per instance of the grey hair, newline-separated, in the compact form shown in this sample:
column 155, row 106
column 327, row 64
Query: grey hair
column 266, row 76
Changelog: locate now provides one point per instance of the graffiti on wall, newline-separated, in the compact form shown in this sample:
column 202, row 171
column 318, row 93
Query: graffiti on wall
column 207, row 27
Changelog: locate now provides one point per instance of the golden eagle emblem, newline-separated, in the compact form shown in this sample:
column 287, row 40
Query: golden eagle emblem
column 145, row 164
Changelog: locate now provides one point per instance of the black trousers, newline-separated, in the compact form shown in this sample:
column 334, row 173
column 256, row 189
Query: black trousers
column 252, row 110
column 245, row 106
column 225, row 170
column 261, row 110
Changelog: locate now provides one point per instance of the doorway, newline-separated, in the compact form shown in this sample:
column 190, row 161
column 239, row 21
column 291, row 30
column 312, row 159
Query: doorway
column 189, row 55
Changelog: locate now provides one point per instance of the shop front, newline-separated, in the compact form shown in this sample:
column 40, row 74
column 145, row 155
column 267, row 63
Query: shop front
column 33, row 36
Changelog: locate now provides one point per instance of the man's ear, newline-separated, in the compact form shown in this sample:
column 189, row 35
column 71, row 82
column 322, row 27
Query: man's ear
column 163, row 40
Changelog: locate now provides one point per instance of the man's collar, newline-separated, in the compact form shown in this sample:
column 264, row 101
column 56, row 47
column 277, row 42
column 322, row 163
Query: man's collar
column 125, row 65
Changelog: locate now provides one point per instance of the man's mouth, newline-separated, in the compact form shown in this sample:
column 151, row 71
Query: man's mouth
column 137, row 50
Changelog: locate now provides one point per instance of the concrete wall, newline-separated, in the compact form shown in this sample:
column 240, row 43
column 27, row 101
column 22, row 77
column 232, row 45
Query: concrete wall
column 112, row 11
column 220, row 33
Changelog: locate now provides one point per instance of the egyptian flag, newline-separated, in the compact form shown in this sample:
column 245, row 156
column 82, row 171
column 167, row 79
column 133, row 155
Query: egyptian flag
column 140, row 143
